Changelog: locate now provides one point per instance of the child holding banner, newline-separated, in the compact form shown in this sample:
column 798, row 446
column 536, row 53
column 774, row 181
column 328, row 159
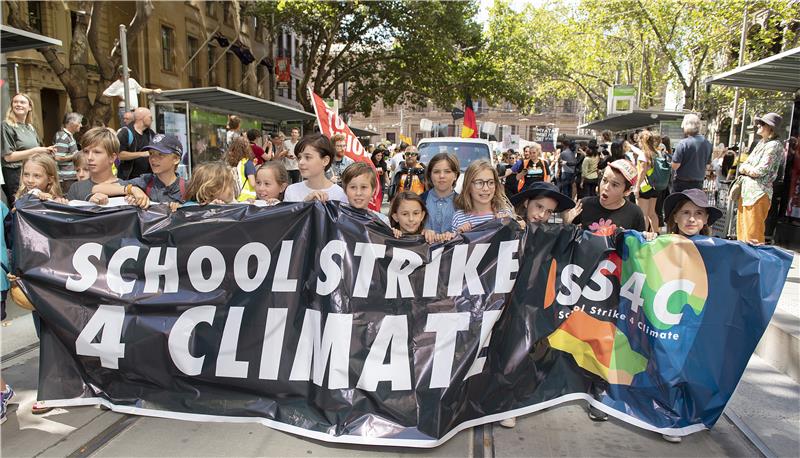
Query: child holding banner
column 689, row 213
column 359, row 180
column 538, row 202
column 315, row 154
column 408, row 214
column 483, row 200
column 211, row 183
column 272, row 178
column 40, row 177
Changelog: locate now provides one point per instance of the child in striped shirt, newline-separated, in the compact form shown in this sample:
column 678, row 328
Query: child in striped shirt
column 481, row 200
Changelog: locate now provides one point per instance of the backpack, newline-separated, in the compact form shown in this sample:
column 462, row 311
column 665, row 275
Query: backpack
column 662, row 170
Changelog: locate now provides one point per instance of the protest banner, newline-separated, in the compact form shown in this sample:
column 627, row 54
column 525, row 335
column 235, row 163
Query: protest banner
column 314, row 319
column 330, row 124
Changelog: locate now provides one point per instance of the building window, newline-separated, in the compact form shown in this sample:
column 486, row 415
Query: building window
column 167, row 49
column 296, row 53
column 210, row 8
column 193, row 45
column 259, row 29
column 290, row 87
column 35, row 16
column 212, row 58
column 569, row 106
column 296, row 87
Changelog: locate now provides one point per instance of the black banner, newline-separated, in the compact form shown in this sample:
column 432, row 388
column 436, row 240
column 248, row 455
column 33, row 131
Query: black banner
column 314, row 319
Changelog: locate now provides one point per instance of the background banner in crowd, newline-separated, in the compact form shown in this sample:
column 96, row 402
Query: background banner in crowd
column 313, row 319
column 330, row 124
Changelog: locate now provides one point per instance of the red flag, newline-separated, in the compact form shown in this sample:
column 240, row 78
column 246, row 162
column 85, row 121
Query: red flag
column 470, row 128
column 331, row 124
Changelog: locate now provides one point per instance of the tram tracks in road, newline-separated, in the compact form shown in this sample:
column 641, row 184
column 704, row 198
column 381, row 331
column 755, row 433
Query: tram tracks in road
column 482, row 436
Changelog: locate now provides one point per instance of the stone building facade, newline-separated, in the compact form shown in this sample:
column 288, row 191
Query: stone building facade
column 160, row 56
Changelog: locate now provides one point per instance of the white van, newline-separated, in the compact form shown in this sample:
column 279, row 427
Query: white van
column 465, row 149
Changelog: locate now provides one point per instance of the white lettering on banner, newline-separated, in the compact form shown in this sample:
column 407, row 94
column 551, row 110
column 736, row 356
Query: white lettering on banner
column 567, row 274
column 318, row 350
column 662, row 298
column 114, row 274
column 206, row 268
column 605, row 285
column 332, row 271
column 490, row 317
column 403, row 263
column 84, row 267
column 241, row 265
column 153, row 271
column 227, row 365
column 446, row 327
column 506, row 266
column 368, row 252
column 195, row 268
column 181, row 333
column 392, row 337
column 109, row 320
column 431, row 284
column 463, row 268
column 273, row 344
column 334, row 343
column 282, row 283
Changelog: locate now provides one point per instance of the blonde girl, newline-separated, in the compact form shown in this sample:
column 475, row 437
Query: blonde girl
column 272, row 178
column 211, row 183
column 646, row 195
column 482, row 199
column 40, row 176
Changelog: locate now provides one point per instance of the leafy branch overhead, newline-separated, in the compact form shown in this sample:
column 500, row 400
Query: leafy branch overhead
column 390, row 50
column 580, row 49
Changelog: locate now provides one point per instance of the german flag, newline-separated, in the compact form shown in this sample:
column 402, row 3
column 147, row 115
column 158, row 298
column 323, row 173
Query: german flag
column 470, row 128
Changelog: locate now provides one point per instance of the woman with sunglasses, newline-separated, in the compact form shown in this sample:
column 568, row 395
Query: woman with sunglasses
column 758, row 173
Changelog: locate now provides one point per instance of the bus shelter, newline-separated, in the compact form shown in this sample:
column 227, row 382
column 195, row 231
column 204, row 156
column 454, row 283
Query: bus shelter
column 198, row 117
column 775, row 74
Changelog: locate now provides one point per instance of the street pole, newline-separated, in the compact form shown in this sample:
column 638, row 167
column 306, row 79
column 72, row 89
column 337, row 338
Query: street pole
column 742, row 39
column 731, row 203
column 123, row 44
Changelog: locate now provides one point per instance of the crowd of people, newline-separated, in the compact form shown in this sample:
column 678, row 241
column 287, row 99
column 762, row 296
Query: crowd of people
column 636, row 182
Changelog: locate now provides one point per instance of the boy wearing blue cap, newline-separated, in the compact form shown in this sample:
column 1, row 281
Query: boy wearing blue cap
column 163, row 185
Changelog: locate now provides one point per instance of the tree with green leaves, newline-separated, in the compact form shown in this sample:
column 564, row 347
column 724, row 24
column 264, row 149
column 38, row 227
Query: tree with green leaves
column 390, row 50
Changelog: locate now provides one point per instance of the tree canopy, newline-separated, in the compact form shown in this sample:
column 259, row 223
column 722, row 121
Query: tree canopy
column 579, row 50
column 391, row 50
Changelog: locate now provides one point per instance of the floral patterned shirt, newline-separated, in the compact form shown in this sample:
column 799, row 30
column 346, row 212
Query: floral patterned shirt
column 762, row 167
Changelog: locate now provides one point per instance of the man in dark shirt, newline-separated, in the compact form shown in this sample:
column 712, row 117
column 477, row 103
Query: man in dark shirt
column 610, row 209
column 692, row 156
column 133, row 138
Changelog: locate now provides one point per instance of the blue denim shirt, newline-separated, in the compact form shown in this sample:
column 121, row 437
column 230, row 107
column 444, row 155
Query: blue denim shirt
column 440, row 211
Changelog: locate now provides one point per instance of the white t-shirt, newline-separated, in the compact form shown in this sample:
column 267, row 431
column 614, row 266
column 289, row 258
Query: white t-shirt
column 117, row 89
column 298, row 192
column 290, row 164
column 395, row 162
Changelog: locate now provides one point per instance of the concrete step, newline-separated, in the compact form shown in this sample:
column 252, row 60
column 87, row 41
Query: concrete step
column 780, row 345
column 767, row 401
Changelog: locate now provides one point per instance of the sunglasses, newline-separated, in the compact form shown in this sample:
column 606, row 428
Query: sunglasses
column 411, row 155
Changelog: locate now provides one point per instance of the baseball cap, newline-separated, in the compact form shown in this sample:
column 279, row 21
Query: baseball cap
column 165, row 144
column 626, row 168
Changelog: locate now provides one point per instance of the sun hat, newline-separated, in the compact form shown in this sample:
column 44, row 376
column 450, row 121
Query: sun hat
column 698, row 197
column 543, row 189
column 773, row 120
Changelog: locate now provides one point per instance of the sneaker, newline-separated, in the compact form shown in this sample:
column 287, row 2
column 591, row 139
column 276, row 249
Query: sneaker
column 671, row 439
column 508, row 422
column 596, row 414
column 3, row 416
column 7, row 394
column 40, row 408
